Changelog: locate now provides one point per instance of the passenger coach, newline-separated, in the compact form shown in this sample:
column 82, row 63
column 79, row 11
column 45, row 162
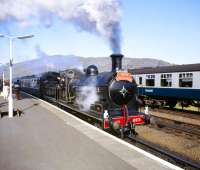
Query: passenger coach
column 170, row 84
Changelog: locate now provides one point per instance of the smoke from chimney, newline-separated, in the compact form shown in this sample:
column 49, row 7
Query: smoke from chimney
column 101, row 17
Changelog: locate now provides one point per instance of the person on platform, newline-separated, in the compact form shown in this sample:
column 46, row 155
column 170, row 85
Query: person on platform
column 17, row 90
column 6, row 90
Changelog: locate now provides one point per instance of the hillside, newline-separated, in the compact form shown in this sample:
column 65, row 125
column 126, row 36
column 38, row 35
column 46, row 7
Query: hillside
column 60, row 62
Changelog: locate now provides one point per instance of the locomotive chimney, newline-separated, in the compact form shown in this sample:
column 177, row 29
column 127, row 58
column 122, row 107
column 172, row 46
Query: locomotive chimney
column 116, row 62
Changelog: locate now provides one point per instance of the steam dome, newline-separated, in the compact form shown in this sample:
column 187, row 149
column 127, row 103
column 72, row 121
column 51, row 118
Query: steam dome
column 92, row 70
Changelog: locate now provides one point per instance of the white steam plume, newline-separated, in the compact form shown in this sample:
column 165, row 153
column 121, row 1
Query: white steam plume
column 87, row 96
column 97, row 16
column 55, row 62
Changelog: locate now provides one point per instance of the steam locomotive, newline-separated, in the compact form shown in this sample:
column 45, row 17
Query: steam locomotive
column 108, row 98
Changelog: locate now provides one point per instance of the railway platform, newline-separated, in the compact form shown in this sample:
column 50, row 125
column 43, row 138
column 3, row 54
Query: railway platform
column 47, row 138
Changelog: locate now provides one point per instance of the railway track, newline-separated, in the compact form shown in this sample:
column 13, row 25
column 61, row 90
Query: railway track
column 180, row 112
column 176, row 125
column 184, row 122
column 167, row 155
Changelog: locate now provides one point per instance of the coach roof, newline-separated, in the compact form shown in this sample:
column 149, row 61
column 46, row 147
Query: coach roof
column 167, row 69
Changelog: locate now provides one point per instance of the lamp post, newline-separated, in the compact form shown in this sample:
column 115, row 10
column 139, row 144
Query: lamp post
column 3, row 77
column 10, row 98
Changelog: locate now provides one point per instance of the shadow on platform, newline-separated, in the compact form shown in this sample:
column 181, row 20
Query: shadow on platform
column 35, row 104
column 3, row 104
column 15, row 113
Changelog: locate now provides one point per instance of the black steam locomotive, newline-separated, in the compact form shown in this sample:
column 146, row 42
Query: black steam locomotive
column 109, row 98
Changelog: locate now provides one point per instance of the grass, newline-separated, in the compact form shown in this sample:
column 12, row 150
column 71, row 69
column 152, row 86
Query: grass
column 189, row 108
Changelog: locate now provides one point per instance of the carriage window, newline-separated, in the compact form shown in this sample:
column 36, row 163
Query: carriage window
column 140, row 80
column 150, row 80
column 185, row 79
column 166, row 80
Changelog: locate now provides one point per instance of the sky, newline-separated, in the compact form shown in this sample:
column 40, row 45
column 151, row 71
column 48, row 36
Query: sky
column 162, row 29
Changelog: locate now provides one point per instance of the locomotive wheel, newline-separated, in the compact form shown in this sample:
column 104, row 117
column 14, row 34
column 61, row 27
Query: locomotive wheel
column 172, row 104
column 185, row 103
column 134, row 133
column 196, row 103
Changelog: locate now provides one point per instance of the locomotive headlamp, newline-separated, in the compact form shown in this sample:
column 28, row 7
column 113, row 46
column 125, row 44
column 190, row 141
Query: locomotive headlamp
column 146, row 110
column 105, row 115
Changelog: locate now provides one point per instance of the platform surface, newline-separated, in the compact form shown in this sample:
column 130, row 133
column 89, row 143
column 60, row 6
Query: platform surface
column 45, row 138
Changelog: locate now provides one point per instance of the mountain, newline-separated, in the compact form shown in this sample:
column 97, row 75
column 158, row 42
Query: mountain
column 104, row 63
column 61, row 62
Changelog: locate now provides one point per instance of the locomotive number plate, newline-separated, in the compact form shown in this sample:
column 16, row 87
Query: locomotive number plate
column 124, row 76
column 137, row 120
